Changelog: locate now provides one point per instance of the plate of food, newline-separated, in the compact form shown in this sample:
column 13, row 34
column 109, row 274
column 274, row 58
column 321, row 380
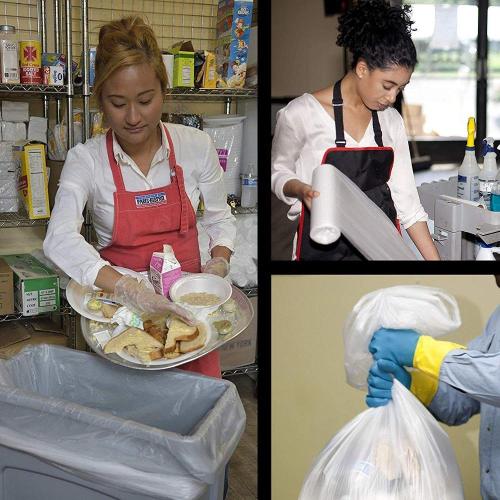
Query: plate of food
column 96, row 304
column 167, row 342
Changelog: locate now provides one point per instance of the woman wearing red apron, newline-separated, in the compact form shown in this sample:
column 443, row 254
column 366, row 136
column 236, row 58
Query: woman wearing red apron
column 357, row 131
column 141, row 181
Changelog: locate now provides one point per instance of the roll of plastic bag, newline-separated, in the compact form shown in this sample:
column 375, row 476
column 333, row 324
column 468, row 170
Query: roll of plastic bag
column 394, row 452
column 428, row 310
column 343, row 208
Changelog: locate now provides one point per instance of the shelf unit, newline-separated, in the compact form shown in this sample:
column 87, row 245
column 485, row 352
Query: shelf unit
column 69, row 92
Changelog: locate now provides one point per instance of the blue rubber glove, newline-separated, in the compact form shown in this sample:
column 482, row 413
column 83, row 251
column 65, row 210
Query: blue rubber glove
column 395, row 345
column 380, row 380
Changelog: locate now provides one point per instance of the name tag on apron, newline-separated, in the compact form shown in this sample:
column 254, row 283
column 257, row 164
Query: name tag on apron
column 150, row 200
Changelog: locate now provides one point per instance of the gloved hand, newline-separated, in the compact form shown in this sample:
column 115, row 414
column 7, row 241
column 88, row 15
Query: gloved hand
column 218, row 266
column 380, row 380
column 137, row 296
column 395, row 345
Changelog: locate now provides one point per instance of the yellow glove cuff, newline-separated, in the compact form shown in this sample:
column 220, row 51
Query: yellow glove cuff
column 423, row 386
column 429, row 354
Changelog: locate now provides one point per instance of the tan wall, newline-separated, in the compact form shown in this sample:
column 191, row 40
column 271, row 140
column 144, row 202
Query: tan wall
column 311, row 400
column 304, row 56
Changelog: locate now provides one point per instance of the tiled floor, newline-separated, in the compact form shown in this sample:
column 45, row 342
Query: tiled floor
column 243, row 464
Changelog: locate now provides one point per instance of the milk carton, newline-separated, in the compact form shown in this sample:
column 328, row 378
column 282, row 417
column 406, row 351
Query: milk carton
column 164, row 270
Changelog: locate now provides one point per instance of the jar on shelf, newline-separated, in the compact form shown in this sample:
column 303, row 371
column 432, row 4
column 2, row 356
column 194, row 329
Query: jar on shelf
column 9, row 54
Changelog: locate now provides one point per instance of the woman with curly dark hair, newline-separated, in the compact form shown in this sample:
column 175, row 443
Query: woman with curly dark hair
column 353, row 126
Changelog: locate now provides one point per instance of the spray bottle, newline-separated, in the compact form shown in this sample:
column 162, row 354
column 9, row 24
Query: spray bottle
column 488, row 174
column 468, row 173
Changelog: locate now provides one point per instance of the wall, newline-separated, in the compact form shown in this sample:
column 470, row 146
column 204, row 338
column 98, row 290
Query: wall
column 304, row 56
column 311, row 400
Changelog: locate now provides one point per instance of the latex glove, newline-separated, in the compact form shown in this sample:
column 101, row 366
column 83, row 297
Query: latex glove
column 395, row 345
column 137, row 296
column 381, row 379
column 218, row 266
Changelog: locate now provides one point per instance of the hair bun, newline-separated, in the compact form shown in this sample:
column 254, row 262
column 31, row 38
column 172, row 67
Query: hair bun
column 375, row 26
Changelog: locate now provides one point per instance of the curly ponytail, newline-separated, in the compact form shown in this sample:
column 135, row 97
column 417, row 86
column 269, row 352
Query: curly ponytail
column 379, row 34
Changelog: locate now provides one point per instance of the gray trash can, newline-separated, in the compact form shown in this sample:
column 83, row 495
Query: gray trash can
column 74, row 426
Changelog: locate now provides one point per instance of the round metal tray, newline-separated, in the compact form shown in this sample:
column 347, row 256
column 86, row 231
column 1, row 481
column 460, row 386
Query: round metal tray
column 243, row 317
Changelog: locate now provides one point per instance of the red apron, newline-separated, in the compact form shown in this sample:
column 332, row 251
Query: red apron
column 146, row 220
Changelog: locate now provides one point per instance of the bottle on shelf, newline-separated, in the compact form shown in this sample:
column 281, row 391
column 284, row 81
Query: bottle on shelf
column 9, row 54
column 489, row 172
column 468, row 173
column 249, row 187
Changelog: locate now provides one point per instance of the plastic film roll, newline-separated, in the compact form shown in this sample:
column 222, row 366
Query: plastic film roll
column 324, row 217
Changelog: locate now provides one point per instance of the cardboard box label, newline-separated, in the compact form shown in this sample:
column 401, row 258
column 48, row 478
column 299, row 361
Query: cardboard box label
column 36, row 287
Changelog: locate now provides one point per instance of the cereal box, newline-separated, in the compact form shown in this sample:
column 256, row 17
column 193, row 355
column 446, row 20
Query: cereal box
column 234, row 18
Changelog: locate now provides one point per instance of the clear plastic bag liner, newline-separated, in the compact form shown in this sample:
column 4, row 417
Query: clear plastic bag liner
column 163, row 433
column 343, row 208
column 394, row 452
column 428, row 310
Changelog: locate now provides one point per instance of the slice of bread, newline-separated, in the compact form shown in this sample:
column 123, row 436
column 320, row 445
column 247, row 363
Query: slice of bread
column 193, row 345
column 132, row 336
column 177, row 331
column 174, row 354
column 146, row 355
column 108, row 310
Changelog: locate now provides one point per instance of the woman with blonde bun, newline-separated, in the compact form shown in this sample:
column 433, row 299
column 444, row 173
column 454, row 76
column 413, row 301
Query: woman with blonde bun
column 142, row 181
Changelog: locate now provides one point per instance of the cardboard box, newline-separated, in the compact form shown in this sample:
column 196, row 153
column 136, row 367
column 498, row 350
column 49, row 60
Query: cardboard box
column 183, row 64
column 234, row 18
column 36, row 287
column 241, row 350
column 6, row 288
column 33, row 183
column 206, row 74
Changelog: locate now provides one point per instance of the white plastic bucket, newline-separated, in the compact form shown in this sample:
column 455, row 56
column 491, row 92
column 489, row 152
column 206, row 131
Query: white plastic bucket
column 227, row 133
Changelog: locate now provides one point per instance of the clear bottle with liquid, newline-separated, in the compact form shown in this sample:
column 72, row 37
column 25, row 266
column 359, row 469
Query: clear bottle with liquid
column 249, row 189
column 9, row 54
column 488, row 174
column 468, row 173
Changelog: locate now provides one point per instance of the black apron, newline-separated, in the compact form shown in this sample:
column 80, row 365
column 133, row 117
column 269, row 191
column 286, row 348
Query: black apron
column 369, row 168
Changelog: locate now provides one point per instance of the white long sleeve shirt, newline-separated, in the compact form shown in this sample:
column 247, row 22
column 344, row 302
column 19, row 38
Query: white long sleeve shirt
column 87, row 178
column 304, row 130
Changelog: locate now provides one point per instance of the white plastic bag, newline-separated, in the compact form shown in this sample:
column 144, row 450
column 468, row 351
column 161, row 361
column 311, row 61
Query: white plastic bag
column 428, row 310
column 395, row 452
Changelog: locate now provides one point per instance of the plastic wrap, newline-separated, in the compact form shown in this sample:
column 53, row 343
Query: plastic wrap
column 243, row 265
column 9, row 176
column 166, row 433
column 187, row 119
column 428, row 310
column 13, row 131
column 397, row 451
column 344, row 208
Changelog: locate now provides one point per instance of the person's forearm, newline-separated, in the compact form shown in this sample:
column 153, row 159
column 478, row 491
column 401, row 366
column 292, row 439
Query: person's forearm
column 419, row 233
column 220, row 251
column 293, row 188
column 106, row 279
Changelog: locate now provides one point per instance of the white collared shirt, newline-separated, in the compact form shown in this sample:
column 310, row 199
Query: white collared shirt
column 87, row 179
column 304, row 130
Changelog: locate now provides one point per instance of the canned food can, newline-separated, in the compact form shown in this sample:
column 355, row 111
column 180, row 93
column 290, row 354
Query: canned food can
column 30, row 55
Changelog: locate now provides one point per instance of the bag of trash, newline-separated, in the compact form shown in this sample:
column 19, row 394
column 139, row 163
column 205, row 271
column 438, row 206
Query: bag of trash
column 397, row 451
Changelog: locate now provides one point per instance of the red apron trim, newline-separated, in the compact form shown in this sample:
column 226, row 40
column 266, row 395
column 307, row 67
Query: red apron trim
column 299, row 232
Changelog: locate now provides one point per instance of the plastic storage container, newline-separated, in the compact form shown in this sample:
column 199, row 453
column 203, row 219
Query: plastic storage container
column 226, row 132
column 74, row 426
